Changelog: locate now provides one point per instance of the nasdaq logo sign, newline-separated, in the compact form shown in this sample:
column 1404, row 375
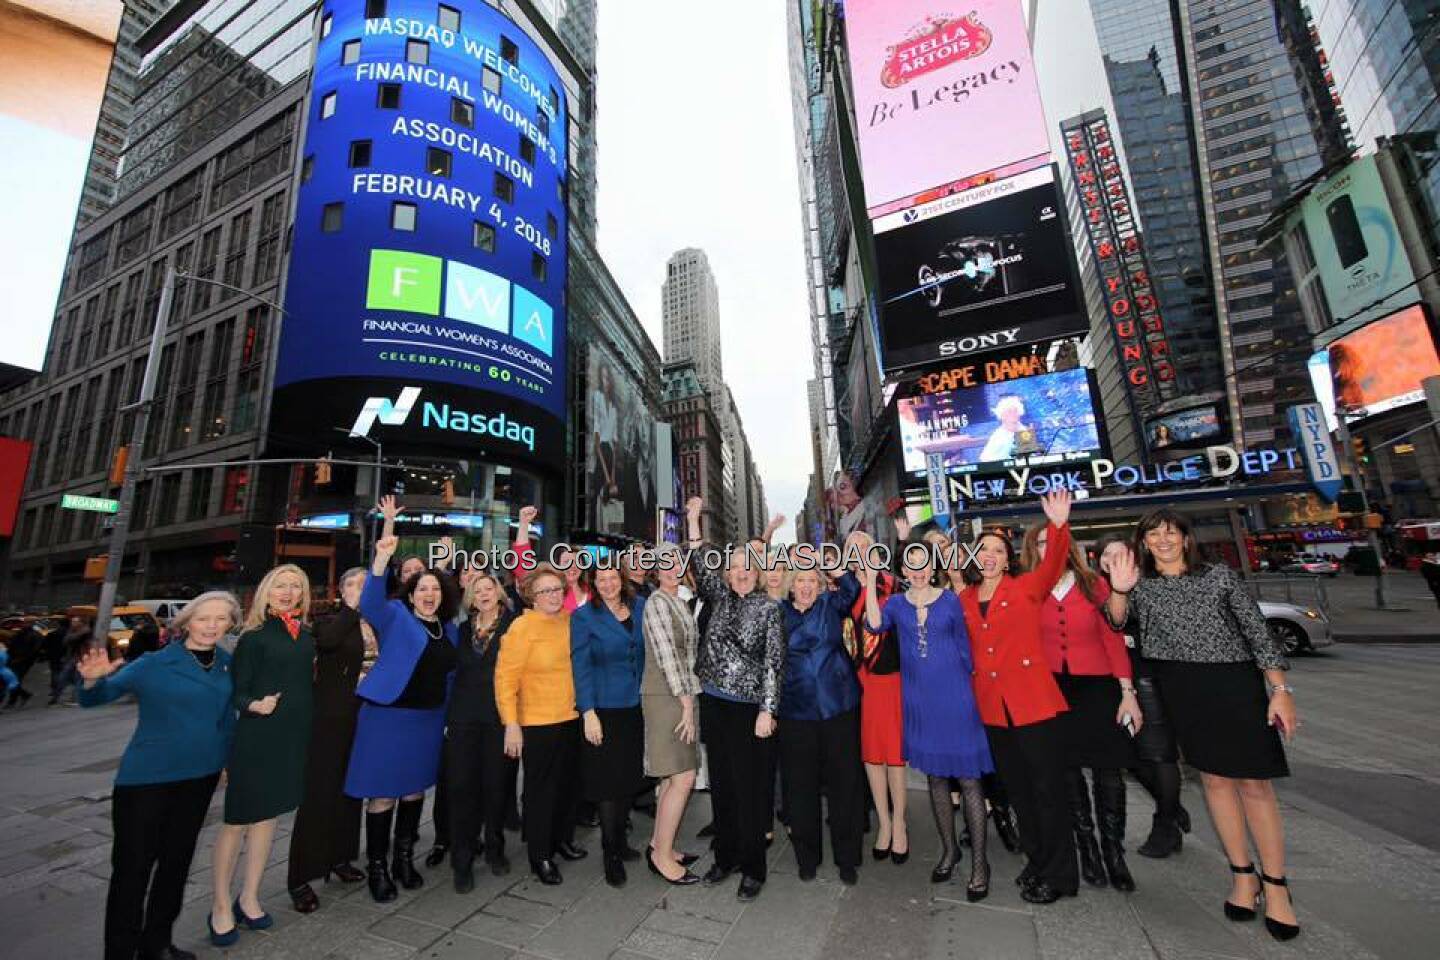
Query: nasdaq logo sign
column 389, row 414
column 418, row 283
column 441, row 416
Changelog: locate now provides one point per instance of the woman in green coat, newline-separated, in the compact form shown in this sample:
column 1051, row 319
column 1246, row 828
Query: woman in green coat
column 273, row 672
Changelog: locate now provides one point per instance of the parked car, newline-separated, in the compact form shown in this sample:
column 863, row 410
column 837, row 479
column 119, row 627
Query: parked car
column 164, row 610
column 1297, row 629
column 1312, row 563
column 123, row 623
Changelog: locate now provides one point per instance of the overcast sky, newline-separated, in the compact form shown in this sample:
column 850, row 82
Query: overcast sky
column 697, row 149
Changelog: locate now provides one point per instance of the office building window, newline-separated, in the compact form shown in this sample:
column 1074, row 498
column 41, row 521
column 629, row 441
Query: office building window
column 462, row 112
column 504, row 187
column 537, row 267
column 327, row 106
column 448, row 18
column 402, row 216
column 527, row 149
column 307, row 168
column 237, row 485
column 350, row 53
column 200, row 483
column 437, row 162
column 484, row 237
column 417, row 51
column 508, row 51
column 360, row 153
column 389, row 96
column 168, row 500
column 374, row 9
column 326, row 23
column 552, row 226
column 490, row 80
column 332, row 218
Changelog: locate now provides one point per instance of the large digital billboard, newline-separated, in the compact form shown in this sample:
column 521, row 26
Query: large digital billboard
column 425, row 296
column 991, row 274
column 1382, row 365
column 1186, row 429
column 1044, row 419
column 57, row 57
column 942, row 93
column 1356, row 243
column 619, row 451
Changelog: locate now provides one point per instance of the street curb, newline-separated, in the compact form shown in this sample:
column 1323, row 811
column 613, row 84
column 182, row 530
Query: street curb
column 1371, row 638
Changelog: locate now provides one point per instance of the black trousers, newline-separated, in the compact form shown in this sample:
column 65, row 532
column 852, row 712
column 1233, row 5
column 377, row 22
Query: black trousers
column 739, row 791
column 156, row 825
column 552, row 786
column 476, row 775
column 1031, row 762
column 823, row 756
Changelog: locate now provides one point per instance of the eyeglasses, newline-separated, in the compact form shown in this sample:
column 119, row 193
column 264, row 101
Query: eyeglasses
column 547, row 591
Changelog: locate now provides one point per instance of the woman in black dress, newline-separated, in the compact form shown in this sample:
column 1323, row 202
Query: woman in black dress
column 476, row 767
column 326, row 837
column 1222, row 678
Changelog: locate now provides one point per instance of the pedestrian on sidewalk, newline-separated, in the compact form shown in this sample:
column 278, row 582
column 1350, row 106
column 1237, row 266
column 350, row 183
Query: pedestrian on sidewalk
column 64, row 652
column 740, row 664
column 819, row 730
column 668, row 700
column 1214, row 660
column 1088, row 659
column 274, row 667
column 535, row 697
column 400, row 730
column 1020, row 702
column 943, row 734
column 607, row 659
column 1157, row 760
column 326, row 837
column 8, row 680
column 167, row 774
column 24, row 651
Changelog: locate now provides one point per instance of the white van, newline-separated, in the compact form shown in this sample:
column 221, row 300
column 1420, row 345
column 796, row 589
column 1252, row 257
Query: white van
column 164, row 610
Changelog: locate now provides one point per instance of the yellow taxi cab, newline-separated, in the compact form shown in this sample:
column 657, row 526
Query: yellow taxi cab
column 124, row 621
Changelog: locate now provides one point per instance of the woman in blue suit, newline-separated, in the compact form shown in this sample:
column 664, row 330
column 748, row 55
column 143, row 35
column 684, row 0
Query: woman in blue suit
column 819, row 727
column 607, row 658
column 168, row 773
column 401, row 727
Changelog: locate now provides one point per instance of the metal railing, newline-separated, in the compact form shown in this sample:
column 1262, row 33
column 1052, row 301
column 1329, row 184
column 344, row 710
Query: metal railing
column 1304, row 591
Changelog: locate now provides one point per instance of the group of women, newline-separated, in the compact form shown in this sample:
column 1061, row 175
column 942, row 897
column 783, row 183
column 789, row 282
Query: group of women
column 1006, row 679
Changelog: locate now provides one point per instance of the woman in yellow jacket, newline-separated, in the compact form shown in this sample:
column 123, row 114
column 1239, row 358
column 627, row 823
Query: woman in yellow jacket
column 535, row 695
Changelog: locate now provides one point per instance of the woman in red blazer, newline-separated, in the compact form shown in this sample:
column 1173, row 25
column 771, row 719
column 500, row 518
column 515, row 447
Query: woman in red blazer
column 1092, row 667
column 1020, row 701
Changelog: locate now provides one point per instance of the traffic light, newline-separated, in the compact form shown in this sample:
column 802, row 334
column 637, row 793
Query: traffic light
column 1361, row 449
column 322, row 472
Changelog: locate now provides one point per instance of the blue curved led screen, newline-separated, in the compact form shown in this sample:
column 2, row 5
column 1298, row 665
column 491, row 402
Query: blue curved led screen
column 425, row 296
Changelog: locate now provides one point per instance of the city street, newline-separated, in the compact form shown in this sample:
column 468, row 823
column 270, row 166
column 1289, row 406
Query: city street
column 1363, row 840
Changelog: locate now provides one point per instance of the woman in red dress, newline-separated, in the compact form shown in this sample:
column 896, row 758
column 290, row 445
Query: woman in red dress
column 877, row 661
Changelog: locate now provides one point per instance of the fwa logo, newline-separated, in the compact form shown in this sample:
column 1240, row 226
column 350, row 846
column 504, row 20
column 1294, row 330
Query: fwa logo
column 417, row 283
column 440, row 416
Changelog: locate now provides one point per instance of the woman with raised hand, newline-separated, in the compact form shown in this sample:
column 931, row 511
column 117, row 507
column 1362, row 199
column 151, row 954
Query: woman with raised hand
column 668, row 700
column 820, row 723
column 1020, row 702
column 607, row 658
column 1087, row 656
column 1157, row 762
column 740, row 665
column 1222, row 679
column 475, row 762
column 274, row 667
column 882, row 717
column 168, row 773
column 326, row 836
column 535, row 697
column 401, row 727
column 943, row 736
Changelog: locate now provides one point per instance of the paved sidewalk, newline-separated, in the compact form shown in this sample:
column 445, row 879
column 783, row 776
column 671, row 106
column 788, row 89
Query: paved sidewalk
column 1359, row 812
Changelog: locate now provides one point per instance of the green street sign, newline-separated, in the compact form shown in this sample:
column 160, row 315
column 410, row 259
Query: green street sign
column 94, row 504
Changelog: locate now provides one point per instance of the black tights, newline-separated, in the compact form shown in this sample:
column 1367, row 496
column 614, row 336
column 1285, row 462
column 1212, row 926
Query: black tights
column 613, row 814
column 972, row 797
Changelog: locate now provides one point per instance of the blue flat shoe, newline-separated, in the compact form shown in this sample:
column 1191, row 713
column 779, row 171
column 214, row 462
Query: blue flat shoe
column 225, row 939
column 262, row 922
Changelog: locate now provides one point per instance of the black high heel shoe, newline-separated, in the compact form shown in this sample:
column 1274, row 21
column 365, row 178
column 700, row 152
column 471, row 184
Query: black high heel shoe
column 880, row 853
column 898, row 857
column 975, row 892
column 1234, row 911
column 943, row 871
column 686, row 879
column 1280, row 931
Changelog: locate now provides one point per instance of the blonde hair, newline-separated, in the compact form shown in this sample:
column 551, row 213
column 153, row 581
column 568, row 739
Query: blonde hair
column 467, row 605
column 259, row 606
column 183, row 618
column 795, row 576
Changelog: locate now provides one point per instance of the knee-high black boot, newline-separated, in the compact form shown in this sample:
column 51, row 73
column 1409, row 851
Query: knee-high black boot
column 1110, row 810
column 407, row 829
column 1001, row 812
column 1084, row 827
column 612, row 839
column 377, row 849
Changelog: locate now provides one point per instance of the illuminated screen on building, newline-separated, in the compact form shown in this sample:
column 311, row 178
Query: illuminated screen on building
column 425, row 295
column 1383, row 365
column 942, row 93
column 1044, row 419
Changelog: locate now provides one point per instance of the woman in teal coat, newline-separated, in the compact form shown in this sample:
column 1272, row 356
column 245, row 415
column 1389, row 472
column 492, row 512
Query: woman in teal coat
column 274, row 667
column 168, row 773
